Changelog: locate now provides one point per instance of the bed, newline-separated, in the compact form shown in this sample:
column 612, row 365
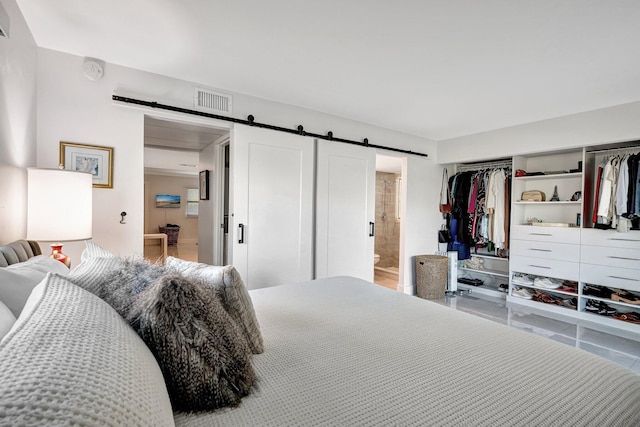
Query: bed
column 342, row 351
column 337, row 352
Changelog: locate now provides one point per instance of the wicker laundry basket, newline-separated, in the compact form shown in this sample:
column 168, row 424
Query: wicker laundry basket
column 431, row 276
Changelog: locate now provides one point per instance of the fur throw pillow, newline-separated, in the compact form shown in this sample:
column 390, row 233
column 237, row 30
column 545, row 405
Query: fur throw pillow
column 226, row 282
column 120, row 287
column 204, row 357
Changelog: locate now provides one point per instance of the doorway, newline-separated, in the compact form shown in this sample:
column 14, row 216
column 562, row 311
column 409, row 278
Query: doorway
column 172, row 162
column 389, row 217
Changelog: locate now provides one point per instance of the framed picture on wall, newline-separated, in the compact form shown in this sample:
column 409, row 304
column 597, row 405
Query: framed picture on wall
column 96, row 160
column 204, row 185
column 167, row 201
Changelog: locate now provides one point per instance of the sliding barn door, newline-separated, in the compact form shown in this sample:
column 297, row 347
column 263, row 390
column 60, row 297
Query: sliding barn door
column 345, row 210
column 272, row 210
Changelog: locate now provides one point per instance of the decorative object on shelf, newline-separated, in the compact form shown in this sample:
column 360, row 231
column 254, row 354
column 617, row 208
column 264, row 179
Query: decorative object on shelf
column 59, row 208
column 204, row 185
column 533, row 196
column 555, row 197
column 576, row 196
column 95, row 159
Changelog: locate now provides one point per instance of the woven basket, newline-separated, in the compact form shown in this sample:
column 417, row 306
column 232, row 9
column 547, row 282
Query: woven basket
column 431, row 276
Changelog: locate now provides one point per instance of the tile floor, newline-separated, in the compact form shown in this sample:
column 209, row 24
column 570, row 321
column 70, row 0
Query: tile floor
column 623, row 351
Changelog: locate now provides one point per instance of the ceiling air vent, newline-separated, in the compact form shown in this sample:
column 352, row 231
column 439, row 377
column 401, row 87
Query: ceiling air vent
column 212, row 102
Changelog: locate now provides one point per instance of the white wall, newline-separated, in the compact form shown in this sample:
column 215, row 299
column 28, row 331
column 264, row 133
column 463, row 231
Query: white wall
column 18, row 61
column 72, row 108
column 606, row 125
column 422, row 218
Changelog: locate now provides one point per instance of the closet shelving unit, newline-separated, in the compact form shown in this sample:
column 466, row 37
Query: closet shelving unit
column 495, row 270
column 571, row 251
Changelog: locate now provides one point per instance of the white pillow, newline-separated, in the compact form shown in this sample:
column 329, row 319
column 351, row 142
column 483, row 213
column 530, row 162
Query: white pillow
column 7, row 319
column 18, row 280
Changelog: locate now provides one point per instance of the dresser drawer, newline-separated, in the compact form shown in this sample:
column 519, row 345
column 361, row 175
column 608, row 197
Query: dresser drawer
column 545, row 267
column 611, row 238
column 547, row 250
column 570, row 235
column 607, row 256
column 613, row 277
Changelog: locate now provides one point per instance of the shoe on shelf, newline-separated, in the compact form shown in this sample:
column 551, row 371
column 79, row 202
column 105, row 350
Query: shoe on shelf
column 521, row 279
column 503, row 287
column 546, row 283
column 600, row 307
column 521, row 293
column 592, row 305
column 597, row 291
column 625, row 296
column 569, row 302
column 628, row 317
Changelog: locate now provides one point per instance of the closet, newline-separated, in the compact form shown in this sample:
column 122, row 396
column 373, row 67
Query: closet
column 479, row 225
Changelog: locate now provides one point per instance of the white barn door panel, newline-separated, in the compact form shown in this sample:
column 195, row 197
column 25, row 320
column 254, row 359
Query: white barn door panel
column 272, row 207
column 345, row 210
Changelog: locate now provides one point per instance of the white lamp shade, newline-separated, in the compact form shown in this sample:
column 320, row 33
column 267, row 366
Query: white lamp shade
column 59, row 205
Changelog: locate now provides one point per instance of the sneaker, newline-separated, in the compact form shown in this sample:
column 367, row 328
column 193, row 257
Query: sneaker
column 503, row 287
column 521, row 279
column 521, row 293
column 600, row 307
column 546, row 283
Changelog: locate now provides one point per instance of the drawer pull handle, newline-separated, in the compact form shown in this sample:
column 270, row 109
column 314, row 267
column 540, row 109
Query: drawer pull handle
column 541, row 234
column 623, row 278
column 624, row 240
column 540, row 266
column 541, row 250
column 624, row 258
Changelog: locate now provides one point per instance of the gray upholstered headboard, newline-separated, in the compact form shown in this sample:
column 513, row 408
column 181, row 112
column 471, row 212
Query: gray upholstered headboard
column 18, row 251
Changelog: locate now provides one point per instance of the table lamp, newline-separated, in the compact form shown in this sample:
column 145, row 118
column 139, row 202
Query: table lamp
column 59, row 208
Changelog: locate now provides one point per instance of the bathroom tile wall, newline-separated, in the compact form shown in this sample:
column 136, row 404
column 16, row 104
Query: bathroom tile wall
column 387, row 240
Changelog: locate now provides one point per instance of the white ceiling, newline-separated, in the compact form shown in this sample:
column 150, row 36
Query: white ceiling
column 437, row 69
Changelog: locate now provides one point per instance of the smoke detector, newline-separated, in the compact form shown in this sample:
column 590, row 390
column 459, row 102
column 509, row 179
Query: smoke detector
column 93, row 69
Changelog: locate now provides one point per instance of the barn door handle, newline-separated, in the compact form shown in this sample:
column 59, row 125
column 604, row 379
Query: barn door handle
column 372, row 229
column 241, row 233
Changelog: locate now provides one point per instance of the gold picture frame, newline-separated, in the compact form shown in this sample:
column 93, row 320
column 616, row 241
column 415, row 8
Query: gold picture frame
column 94, row 159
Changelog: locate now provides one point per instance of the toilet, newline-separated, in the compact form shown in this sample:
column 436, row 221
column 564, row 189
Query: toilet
column 376, row 259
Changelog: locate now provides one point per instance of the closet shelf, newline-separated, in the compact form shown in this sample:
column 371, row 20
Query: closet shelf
column 551, row 176
column 486, row 271
column 561, row 202
column 490, row 256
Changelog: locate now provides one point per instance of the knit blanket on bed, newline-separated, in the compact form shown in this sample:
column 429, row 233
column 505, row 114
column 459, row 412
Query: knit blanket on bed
column 344, row 352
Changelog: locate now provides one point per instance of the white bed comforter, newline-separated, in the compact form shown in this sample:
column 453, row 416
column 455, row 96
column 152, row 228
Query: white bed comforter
column 344, row 352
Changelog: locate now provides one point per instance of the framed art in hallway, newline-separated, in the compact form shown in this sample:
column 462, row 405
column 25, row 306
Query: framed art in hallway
column 204, row 185
column 95, row 159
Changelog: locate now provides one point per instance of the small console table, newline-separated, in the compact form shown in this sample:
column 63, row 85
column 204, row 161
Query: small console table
column 163, row 243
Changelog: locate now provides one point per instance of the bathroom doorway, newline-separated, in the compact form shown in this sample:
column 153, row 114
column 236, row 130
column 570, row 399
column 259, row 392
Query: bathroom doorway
column 389, row 219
